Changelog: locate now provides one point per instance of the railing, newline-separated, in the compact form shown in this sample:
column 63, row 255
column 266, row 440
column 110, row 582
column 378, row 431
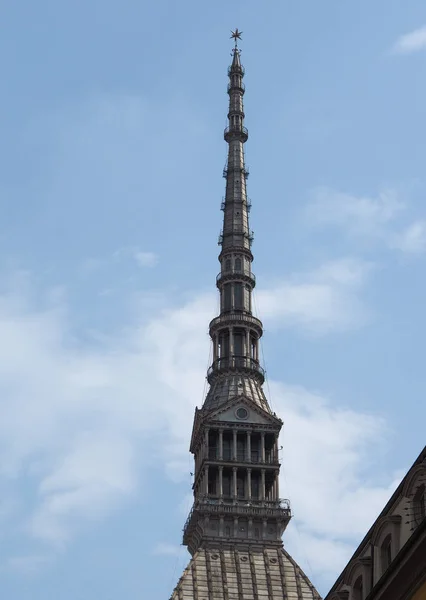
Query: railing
column 249, row 235
column 240, row 318
column 238, row 86
column 248, row 204
column 233, row 70
column 234, row 363
column 245, row 171
column 243, row 273
column 267, row 508
column 238, row 130
column 228, row 457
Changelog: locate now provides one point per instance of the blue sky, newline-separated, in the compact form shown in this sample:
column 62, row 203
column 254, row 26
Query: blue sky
column 111, row 157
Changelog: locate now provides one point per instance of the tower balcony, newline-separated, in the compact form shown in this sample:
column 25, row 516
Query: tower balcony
column 243, row 170
column 248, row 235
column 231, row 133
column 231, row 364
column 236, row 319
column 240, row 86
column 224, row 202
column 231, row 275
column 236, row 69
column 277, row 511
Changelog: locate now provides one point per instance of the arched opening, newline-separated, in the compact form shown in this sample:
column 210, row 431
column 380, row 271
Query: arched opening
column 358, row 589
column 386, row 553
column 419, row 507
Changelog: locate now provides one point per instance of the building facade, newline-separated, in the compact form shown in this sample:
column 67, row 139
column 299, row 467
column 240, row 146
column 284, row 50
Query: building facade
column 235, row 527
column 390, row 562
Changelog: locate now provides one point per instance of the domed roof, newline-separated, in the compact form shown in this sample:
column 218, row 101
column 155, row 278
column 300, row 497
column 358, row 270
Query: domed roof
column 229, row 574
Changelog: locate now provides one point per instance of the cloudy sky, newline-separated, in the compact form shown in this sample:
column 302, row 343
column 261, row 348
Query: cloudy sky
column 110, row 186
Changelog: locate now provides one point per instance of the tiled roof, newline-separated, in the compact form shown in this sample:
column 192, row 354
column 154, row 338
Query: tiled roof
column 229, row 574
column 230, row 386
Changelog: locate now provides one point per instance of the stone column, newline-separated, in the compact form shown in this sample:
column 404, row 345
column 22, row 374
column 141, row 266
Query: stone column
column 249, row 446
column 249, row 484
column 234, row 432
column 234, row 482
column 265, row 525
column 206, row 479
column 248, row 350
column 250, row 528
column 231, row 347
column 221, row 521
column 206, row 442
column 262, row 485
column 277, row 487
column 235, row 527
column 220, row 482
column 220, row 444
column 262, row 446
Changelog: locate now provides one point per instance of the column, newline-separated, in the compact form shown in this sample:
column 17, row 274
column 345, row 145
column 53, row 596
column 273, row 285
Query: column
column 215, row 347
column 234, row 432
column 220, row 482
column 235, row 527
column 248, row 351
column 206, row 443
column 250, row 528
column 231, row 347
column 234, row 483
column 206, row 479
column 265, row 525
column 249, row 446
column 262, row 485
column 221, row 530
column 249, row 484
column 220, row 444
column 262, row 446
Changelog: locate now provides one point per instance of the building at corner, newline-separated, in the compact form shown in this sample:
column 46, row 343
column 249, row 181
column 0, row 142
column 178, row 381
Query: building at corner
column 390, row 562
column 235, row 527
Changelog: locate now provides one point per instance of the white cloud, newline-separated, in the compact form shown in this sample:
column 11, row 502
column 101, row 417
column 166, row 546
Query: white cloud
column 146, row 259
column 76, row 417
column 359, row 214
column 411, row 42
column 411, row 240
column 372, row 218
column 319, row 301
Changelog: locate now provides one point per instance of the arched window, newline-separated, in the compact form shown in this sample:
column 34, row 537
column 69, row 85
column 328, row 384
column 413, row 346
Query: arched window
column 228, row 264
column 238, row 264
column 358, row 589
column 386, row 553
column 419, row 505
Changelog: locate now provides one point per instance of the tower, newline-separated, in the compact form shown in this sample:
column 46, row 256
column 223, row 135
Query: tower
column 234, row 529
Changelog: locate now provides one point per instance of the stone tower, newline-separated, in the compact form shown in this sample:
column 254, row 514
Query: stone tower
column 234, row 529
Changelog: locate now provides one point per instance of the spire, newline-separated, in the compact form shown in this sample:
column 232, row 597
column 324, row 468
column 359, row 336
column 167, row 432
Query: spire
column 234, row 529
column 235, row 333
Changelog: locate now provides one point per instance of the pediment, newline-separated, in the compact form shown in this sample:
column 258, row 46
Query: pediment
column 241, row 409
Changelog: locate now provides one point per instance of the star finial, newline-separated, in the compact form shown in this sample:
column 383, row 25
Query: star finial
column 236, row 35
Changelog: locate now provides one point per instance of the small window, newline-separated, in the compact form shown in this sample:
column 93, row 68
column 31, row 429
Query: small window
column 228, row 264
column 227, row 531
column 238, row 293
column 358, row 590
column 386, row 553
column 227, row 298
column 419, row 507
column 238, row 263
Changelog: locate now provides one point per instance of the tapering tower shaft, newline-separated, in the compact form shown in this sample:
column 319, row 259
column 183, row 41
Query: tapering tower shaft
column 235, row 333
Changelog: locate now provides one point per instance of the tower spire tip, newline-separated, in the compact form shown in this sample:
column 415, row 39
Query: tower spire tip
column 236, row 35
